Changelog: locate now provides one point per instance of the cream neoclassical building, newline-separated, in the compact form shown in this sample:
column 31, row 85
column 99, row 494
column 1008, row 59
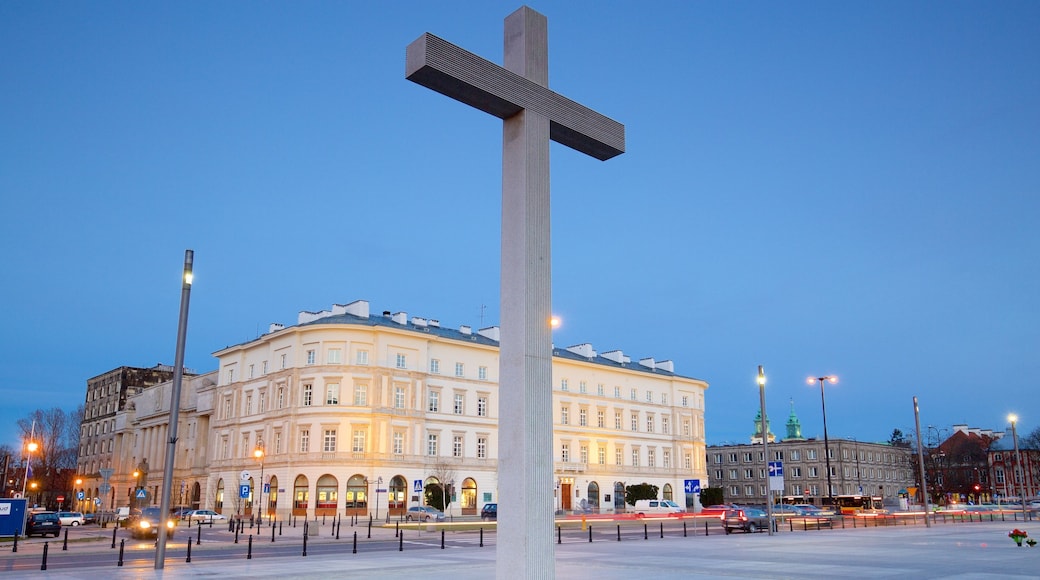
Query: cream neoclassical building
column 355, row 412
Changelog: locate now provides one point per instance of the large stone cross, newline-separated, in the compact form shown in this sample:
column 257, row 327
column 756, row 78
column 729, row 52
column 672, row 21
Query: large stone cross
column 532, row 115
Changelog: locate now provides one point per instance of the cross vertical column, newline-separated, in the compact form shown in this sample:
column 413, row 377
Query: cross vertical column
column 525, row 547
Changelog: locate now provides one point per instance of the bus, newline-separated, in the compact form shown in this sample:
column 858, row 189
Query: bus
column 857, row 504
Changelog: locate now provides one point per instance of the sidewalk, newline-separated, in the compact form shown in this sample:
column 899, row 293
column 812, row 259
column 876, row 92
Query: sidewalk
column 963, row 551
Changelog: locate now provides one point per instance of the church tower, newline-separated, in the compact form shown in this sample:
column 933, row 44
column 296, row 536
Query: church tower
column 794, row 427
column 756, row 438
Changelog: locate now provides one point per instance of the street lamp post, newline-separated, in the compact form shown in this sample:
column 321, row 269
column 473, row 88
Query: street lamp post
column 764, row 432
column 826, row 443
column 379, row 482
column 30, row 448
column 259, row 454
column 1018, row 461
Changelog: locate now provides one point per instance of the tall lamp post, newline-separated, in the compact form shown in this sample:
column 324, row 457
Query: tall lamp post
column 30, row 448
column 1018, row 461
column 826, row 443
column 379, row 482
column 764, row 432
column 259, row 454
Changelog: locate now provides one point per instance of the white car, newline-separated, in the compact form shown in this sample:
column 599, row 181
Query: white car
column 71, row 518
column 206, row 516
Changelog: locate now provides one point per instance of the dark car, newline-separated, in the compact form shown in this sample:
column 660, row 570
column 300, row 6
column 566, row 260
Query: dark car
column 89, row 518
column 718, row 510
column 489, row 512
column 43, row 523
column 148, row 523
column 747, row 519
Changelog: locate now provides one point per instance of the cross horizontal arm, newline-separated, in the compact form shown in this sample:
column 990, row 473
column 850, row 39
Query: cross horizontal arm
column 452, row 71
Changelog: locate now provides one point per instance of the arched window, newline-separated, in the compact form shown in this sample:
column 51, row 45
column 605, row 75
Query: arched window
column 272, row 496
column 301, row 495
column 328, row 495
column 469, row 497
column 196, row 496
column 667, row 491
column 396, row 498
column 619, row 497
column 594, row 496
column 357, row 495
column 218, row 505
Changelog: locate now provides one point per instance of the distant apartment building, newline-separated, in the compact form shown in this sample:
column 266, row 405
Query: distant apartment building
column 355, row 413
column 856, row 467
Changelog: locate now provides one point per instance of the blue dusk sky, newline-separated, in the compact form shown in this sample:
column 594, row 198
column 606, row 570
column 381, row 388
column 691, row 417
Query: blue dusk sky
column 845, row 188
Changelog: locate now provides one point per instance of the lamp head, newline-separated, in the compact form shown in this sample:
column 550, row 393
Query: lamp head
column 1013, row 418
column 32, row 446
column 761, row 376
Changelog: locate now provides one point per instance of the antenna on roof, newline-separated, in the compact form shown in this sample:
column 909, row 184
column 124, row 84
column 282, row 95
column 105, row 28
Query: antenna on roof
column 483, row 308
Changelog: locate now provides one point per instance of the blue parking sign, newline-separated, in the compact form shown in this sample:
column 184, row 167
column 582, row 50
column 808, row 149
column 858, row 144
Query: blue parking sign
column 243, row 491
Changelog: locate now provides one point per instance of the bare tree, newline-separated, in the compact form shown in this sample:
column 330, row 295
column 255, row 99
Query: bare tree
column 56, row 433
column 445, row 473
column 1030, row 441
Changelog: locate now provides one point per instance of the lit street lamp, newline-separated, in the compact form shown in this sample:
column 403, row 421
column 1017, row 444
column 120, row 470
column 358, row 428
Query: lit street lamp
column 1014, row 473
column 826, row 444
column 30, row 448
column 764, row 432
column 379, row 482
column 259, row 454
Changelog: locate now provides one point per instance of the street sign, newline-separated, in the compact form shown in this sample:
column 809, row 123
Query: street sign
column 97, row 501
column 244, row 476
column 141, row 493
column 692, row 486
column 776, row 476
column 105, row 487
column 267, row 488
column 106, row 472
column 417, row 485
column 79, row 495
column 243, row 491
column 60, row 498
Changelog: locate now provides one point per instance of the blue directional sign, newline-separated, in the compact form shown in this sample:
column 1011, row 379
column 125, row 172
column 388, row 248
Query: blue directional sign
column 776, row 468
column 692, row 486
column 243, row 491
column 417, row 485
column 141, row 493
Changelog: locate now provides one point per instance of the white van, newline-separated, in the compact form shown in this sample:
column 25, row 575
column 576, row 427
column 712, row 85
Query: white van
column 657, row 506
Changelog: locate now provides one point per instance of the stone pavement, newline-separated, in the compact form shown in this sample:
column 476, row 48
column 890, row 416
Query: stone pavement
column 968, row 551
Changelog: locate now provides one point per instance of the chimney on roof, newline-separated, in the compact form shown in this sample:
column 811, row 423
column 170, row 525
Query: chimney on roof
column 491, row 332
column 400, row 318
column 435, row 323
column 616, row 356
column 418, row 322
column 358, row 308
column 584, row 349
column 465, row 330
column 666, row 365
column 386, row 313
column 648, row 362
column 275, row 327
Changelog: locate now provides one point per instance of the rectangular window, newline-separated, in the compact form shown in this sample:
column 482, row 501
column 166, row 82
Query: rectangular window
column 732, row 473
column 651, row 457
column 360, row 395
column 398, row 448
column 362, row 357
column 308, row 395
column 359, row 441
column 305, row 441
column 460, row 370
column 635, row 421
column 278, row 443
column 460, row 404
column 435, row 366
column 649, row 397
column 687, row 461
column 565, row 452
column 263, row 402
column 749, row 473
column 686, row 427
column 600, row 419
column 332, row 394
column 796, row 455
column 635, row 457
column 617, row 420
column 481, row 447
column 685, row 401
column 667, row 458
column 250, row 371
column 482, row 373
column 563, row 384
column 283, row 361
column 618, row 454
column 230, row 376
column 431, row 444
column 310, row 357
column 249, row 404
column 601, row 455
column 263, row 367
column 599, row 389
column 747, row 457
column 664, row 398
column 583, row 387
column 813, row 472
column 632, row 394
column 583, row 417
column 456, row 446
column 649, row 423
column 399, row 397
column 810, row 453
column 565, row 415
column 329, row 441
column 227, row 408
column 482, row 406
column 796, row 471
column 584, row 451
column 334, row 357
column 402, row 361
column 434, row 402
column 617, row 394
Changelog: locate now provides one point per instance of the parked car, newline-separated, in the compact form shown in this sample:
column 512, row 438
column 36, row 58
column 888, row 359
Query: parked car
column 181, row 513
column 489, row 512
column 42, row 523
column 71, row 518
column 424, row 513
column 90, row 518
column 656, row 506
column 206, row 516
column 787, row 509
column 747, row 519
column 148, row 524
column 809, row 509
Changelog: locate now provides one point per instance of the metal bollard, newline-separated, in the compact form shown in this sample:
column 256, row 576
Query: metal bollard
column 400, row 542
column 305, row 537
column 559, row 538
column 15, row 547
column 684, row 529
column 355, row 542
column 188, row 559
column 705, row 528
column 279, row 528
column 662, row 530
column 590, row 534
column 442, row 539
column 65, row 544
column 236, row 534
column 370, row 528
column 43, row 566
column 272, row 532
column 114, row 537
column 249, row 551
column 198, row 536
column 619, row 532
column 397, row 528
column 645, row 536
column 481, row 538
column 122, row 545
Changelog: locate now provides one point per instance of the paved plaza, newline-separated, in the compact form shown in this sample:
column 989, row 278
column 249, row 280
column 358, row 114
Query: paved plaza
column 979, row 550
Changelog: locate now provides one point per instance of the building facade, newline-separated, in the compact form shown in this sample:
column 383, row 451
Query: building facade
column 857, row 468
column 352, row 413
